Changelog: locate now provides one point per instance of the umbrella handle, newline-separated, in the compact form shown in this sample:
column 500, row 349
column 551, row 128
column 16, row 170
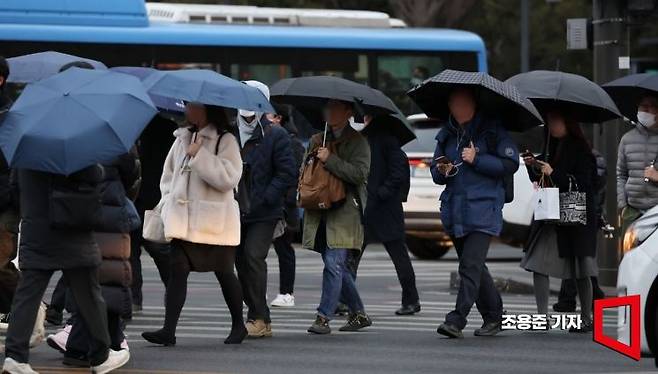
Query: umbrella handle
column 324, row 138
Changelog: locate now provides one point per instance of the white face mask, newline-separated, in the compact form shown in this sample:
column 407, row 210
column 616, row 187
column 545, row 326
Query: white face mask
column 647, row 119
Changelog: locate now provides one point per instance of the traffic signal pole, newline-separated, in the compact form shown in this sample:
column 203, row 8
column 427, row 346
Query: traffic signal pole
column 609, row 43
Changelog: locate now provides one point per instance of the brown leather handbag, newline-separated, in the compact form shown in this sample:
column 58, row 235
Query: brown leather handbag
column 318, row 189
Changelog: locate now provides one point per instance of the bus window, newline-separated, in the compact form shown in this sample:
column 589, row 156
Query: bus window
column 266, row 73
column 344, row 64
column 397, row 73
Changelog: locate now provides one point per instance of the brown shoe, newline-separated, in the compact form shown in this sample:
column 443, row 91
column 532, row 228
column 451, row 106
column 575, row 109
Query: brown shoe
column 259, row 329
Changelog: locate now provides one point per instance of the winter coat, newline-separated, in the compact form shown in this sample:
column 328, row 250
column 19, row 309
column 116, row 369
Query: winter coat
column 198, row 205
column 571, row 157
column 272, row 171
column 351, row 164
column 384, row 218
column 119, row 188
column 46, row 248
column 291, row 210
column 637, row 149
column 473, row 199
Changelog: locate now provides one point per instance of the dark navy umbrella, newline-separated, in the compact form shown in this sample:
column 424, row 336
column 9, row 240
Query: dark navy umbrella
column 629, row 90
column 583, row 99
column 207, row 87
column 495, row 98
column 165, row 103
column 314, row 91
column 75, row 119
column 38, row 66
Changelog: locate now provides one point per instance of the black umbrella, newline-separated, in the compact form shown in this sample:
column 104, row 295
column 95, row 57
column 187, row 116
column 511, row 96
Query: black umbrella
column 396, row 124
column 583, row 99
column 629, row 90
column 313, row 92
column 494, row 97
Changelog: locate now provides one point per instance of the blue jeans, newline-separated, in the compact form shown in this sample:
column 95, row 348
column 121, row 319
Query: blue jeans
column 337, row 282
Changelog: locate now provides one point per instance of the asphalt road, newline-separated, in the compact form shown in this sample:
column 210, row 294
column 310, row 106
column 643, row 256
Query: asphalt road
column 392, row 345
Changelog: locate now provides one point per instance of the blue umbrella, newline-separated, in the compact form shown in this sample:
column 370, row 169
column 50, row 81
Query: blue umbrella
column 207, row 87
column 165, row 103
column 75, row 119
column 38, row 66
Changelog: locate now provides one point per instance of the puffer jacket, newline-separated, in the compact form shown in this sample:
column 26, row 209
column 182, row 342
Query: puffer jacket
column 637, row 149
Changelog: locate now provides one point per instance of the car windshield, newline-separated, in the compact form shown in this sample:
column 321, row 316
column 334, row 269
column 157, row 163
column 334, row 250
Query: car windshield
column 425, row 131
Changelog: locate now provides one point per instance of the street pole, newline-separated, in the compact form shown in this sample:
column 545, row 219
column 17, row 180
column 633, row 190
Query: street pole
column 525, row 35
column 610, row 42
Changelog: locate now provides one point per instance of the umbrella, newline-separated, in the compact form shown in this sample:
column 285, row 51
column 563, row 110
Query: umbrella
column 629, row 90
column 583, row 99
column 396, row 124
column 38, row 66
column 75, row 119
column 495, row 98
column 313, row 92
column 165, row 103
column 207, row 87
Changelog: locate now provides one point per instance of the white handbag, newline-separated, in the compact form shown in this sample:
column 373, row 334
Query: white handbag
column 547, row 203
column 153, row 230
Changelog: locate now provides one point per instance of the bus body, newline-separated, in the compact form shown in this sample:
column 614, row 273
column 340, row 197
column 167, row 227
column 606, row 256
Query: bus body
column 379, row 54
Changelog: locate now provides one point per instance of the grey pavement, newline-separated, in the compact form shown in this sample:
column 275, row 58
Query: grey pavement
column 392, row 345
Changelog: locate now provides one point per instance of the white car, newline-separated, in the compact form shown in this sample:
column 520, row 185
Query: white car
column 425, row 236
column 638, row 275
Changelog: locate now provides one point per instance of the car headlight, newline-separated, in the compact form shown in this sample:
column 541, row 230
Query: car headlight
column 636, row 234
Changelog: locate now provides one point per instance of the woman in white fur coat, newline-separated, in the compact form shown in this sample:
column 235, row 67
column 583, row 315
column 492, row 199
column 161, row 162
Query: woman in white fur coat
column 200, row 214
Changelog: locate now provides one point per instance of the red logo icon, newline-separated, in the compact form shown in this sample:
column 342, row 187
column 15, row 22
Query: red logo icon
column 633, row 302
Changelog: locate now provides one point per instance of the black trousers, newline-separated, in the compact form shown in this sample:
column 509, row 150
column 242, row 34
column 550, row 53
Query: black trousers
column 78, row 342
column 568, row 290
column 252, row 268
column 160, row 254
column 397, row 251
column 476, row 286
column 84, row 287
column 58, row 298
column 287, row 261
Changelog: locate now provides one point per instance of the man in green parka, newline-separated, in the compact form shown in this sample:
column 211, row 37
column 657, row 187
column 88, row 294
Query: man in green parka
column 337, row 231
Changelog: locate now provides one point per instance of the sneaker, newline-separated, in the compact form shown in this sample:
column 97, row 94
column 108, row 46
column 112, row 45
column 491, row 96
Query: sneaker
column 489, row 329
column 13, row 367
column 259, row 329
column 58, row 340
column 115, row 360
column 284, row 301
column 320, row 326
column 39, row 332
column 4, row 322
column 450, row 330
column 124, row 345
column 356, row 322
column 342, row 310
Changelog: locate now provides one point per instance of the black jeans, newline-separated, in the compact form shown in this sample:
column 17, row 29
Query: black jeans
column 159, row 253
column 287, row 259
column 397, row 251
column 568, row 290
column 58, row 298
column 252, row 268
column 84, row 287
column 78, row 341
column 476, row 284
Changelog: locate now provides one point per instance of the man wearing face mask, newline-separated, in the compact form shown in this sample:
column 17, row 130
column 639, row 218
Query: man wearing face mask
column 637, row 177
column 272, row 169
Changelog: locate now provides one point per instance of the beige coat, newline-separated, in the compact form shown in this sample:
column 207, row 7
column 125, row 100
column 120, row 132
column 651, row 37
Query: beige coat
column 198, row 205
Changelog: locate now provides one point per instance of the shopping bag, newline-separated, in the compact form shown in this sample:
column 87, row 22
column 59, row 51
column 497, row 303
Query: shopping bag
column 547, row 204
column 153, row 229
column 573, row 205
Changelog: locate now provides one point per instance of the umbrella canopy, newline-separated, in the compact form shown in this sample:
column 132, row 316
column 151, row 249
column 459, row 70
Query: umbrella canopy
column 75, row 119
column 629, row 90
column 583, row 99
column 314, row 92
column 207, row 87
column 396, row 124
column 165, row 103
column 495, row 98
column 38, row 66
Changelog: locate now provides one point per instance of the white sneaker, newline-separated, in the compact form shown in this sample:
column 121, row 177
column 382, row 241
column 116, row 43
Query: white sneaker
column 115, row 360
column 58, row 340
column 284, row 301
column 13, row 367
column 124, row 345
column 39, row 332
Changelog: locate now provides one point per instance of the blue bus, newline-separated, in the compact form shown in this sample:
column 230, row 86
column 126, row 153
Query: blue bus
column 249, row 44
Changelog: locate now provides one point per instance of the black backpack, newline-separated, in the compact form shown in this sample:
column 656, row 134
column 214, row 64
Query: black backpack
column 75, row 201
column 241, row 193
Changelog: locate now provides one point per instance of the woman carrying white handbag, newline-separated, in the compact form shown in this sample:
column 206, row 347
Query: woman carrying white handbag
column 564, row 247
column 199, row 215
